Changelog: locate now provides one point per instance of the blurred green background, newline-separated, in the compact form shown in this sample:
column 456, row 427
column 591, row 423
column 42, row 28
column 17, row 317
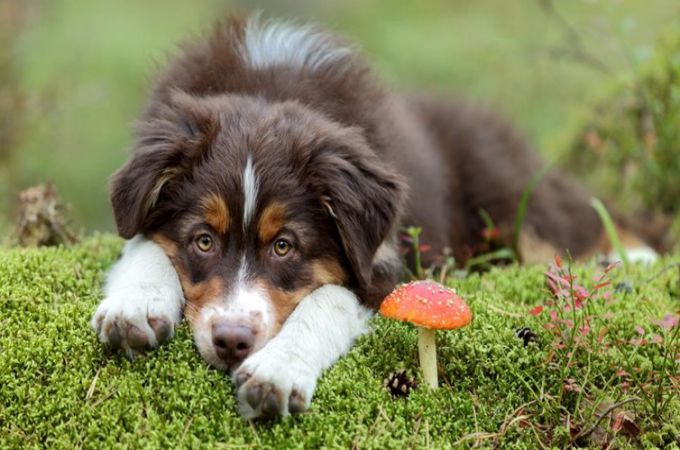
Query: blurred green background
column 74, row 73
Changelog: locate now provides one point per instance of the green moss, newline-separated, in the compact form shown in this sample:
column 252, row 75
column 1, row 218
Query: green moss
column 60, row 389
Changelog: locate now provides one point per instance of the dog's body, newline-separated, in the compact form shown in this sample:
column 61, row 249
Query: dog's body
column 269, row 179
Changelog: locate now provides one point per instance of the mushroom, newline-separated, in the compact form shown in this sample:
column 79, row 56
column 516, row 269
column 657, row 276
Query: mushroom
column 430, row 306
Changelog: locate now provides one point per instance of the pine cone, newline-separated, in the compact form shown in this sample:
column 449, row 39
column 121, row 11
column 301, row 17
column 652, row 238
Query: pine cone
column 399, row 384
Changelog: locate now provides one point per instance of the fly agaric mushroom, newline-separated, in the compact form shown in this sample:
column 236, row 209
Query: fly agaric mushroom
column 430, row 306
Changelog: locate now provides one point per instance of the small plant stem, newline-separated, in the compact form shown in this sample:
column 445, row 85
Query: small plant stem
column 583, row 384
column 488, row 221
column 442, row 274
column 427, row 351
column 631, row 372
column 416, row 255
column 610, row 229
column 572, row 336
column 668, row 348
column 574, row 327
column 664, row 270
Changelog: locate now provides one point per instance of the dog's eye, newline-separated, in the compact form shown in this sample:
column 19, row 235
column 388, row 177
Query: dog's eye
column 204, row 242
column 282, row 247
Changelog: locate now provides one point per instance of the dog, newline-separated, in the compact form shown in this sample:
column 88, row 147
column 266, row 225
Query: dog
column 270, row 176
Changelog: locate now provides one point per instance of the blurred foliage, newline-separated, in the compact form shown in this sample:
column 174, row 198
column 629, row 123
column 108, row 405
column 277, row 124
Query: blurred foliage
column 10, row 97
column 630, row 144
column 75, row 73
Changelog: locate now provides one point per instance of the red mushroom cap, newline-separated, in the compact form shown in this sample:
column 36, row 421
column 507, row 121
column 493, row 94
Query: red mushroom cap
column 427, row 304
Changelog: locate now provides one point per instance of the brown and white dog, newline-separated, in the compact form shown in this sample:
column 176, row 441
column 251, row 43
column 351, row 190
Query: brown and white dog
column 270, row 175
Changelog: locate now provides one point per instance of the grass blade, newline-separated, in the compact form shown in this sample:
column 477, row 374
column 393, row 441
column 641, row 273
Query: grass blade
column 610, row 229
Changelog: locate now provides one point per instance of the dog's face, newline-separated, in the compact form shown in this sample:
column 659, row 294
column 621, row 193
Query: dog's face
column 257, row 205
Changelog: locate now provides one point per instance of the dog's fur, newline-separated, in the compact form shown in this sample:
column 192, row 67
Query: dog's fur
column 270, row 175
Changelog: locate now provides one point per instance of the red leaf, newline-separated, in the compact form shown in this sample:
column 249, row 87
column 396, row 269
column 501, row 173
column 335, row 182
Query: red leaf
column 568, row 278
column 601, row 334
column 624, row 422
column 638, row 342
column 601, row 285
column 536, row 311
column 558, row 261
column 581, row 292
column 611, row 266
column 668, row 322
column 491, row 234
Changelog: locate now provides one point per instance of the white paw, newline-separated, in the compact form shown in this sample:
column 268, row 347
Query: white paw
column 274, row 383
column 136, row 318
column 643, row 255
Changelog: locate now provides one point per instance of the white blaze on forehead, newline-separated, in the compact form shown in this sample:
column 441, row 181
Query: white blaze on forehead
column 247, row 299
column 249, row 192
column 247, row 305
column 268, row 44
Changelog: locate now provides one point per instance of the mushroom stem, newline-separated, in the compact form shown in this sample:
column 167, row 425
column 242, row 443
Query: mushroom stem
column 427, row 351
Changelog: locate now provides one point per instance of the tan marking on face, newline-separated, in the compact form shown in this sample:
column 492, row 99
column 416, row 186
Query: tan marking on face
column 168, row 246
column 197, row 295
column 284, row 302
column 271, row 221
column 327, row 271
column 216, row 213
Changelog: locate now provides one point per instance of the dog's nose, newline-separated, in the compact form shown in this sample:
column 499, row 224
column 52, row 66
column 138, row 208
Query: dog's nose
column 232, row 343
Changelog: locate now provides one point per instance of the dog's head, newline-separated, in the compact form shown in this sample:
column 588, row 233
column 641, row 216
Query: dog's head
column 257, row 205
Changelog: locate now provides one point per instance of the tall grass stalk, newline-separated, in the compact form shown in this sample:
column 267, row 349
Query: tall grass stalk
column 610, row 229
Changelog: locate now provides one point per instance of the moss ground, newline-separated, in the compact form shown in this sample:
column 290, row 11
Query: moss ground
column 60, row 389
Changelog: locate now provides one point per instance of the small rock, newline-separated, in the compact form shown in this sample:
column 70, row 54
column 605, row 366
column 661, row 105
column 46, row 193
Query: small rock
column 623, row 287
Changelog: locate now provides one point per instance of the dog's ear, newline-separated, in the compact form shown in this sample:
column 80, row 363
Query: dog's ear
column 169, row 141
column 362, row 194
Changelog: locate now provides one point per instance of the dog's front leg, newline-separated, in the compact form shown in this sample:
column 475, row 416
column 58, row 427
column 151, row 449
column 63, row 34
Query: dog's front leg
column 280, row 378
column 143, row 299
